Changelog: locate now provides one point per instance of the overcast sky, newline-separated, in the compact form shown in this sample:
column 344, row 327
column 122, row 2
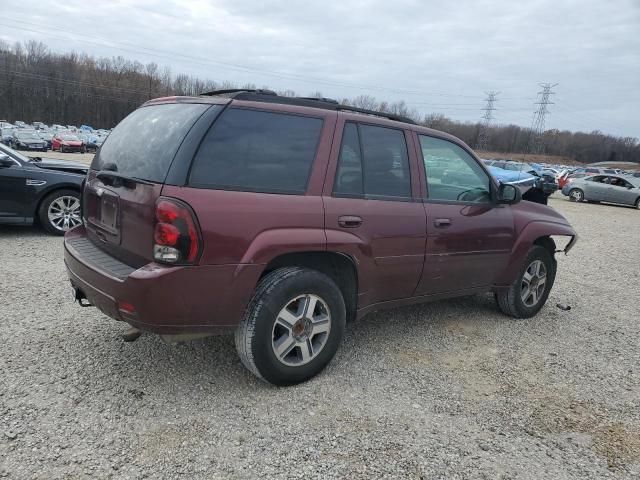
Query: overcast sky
column 438, row 56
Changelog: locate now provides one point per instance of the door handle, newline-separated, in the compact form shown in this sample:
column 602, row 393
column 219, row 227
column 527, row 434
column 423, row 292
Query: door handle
column 349, row 221
column 442, row 222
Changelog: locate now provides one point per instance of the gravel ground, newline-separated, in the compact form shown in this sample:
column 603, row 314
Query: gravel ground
column 450, row 390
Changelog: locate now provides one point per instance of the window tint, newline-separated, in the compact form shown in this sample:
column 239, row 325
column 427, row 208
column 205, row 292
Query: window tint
column 256, row 151
column 452, row 174
column 349, row 179
column 384, row 156
column 144, row 143
column 386, row 163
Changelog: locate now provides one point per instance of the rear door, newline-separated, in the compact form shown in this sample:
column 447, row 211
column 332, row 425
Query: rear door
column 621, row 191
column 127, row 176
column 372, row 208
column 469, row 236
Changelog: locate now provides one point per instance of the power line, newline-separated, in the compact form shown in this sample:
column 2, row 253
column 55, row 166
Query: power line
column 537, row 126
column 483, row 136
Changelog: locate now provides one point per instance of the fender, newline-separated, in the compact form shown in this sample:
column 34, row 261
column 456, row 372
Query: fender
column 270, row 244
column 528, row 235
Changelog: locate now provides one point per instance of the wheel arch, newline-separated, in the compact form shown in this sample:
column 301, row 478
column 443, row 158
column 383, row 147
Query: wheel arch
column 48, row 191
column 340, row 267
column 535, row 233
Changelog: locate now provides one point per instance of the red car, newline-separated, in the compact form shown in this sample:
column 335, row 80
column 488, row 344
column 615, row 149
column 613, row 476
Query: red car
column 68, row 142
column 281, row 218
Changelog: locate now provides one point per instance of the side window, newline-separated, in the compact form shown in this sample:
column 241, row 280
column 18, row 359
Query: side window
column 257, row 151
column 373, row 162
column 349, row 181
column 452, row 174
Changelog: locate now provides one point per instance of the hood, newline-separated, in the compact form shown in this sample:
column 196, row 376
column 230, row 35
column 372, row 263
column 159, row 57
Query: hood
column 30, row 141
column 64, row 165
column 72, row 142
column 511, row 176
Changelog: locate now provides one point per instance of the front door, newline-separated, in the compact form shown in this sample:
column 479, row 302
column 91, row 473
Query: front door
column 12, row 194
column 372, row 210
column 597, row 188
column 470, row 237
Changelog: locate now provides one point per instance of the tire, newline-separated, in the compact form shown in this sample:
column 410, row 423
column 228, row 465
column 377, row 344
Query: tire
column 576, row 195
column 262, row 326
column 511, row 300
column 638, row 203
column 52, row 203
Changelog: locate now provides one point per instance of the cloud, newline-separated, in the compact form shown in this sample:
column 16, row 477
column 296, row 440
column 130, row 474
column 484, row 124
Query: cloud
column 437, row 55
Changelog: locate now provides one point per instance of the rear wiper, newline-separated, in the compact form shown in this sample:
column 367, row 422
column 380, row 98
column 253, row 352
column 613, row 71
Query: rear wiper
column 117, row 178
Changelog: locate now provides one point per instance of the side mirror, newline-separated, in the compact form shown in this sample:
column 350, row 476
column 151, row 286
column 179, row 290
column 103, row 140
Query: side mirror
column 5, row 161
column 509, row 194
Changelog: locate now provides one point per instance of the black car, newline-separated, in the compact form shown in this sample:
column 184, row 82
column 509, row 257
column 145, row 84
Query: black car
column 41, row 190
column 28, row 140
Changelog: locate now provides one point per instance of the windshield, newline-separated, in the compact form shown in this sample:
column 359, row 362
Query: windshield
column 144, row 143
column 27, row 136
column 12, row 153
column 71, row 138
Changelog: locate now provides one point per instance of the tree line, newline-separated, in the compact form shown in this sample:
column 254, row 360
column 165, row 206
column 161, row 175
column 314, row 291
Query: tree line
column 75, row 88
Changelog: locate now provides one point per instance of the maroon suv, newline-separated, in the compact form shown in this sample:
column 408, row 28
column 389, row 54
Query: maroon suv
column 282, row 218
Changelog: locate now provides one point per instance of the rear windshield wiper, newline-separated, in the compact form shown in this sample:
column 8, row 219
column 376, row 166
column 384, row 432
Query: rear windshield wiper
column 117, row 178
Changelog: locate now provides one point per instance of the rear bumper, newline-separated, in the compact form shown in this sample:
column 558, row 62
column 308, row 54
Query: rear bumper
column 165, row 299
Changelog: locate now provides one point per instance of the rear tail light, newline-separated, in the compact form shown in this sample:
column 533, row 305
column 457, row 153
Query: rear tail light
column 176, row 238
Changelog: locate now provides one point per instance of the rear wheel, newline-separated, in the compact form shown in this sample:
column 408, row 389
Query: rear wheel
column 638, row 203
column 60, row 211
column 576, row 195
column 529, row 292
column 292, row 326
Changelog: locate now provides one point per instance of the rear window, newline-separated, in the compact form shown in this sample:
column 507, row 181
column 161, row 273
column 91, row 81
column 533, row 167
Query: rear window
column 257, row 151
column 144, row 143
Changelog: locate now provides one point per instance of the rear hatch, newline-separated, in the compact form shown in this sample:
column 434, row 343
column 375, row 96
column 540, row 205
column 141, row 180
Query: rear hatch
column 127, row 175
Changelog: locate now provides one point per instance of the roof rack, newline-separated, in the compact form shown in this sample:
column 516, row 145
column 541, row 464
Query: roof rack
column 269, row 96
column 262, row 91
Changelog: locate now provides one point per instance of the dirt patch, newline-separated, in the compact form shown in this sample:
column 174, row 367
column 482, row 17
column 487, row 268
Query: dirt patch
column 617, row 443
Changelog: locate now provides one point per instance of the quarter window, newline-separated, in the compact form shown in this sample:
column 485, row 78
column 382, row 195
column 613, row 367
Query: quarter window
column 256, row 151
column 452, row 174
column 373, row 163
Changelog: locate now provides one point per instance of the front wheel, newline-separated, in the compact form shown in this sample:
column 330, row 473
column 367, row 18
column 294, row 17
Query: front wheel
column 60, row 211
column 292, row 327
column 528, row 293
column 576, row 195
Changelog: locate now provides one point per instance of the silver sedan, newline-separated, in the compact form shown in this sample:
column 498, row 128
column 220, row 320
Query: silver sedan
column 605, row 188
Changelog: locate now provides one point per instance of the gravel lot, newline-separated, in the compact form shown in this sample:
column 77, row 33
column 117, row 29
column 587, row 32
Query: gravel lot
column 450, row 390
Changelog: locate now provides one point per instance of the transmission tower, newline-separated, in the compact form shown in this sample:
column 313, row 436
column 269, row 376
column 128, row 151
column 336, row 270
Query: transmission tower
column 483, row 135
column 537, row 127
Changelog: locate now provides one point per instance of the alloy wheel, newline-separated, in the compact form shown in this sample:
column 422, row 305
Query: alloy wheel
column 64, row 213
column 533, row 284
column 301, row 330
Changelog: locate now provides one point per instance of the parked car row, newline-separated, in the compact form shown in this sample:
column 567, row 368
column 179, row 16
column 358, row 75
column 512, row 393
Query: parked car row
column 40, row 137
column 591, row 183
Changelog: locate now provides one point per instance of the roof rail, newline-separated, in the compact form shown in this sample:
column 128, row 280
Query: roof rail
column 269, row 96
column 262, row 91
column 376, row 113
column 321, row 99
